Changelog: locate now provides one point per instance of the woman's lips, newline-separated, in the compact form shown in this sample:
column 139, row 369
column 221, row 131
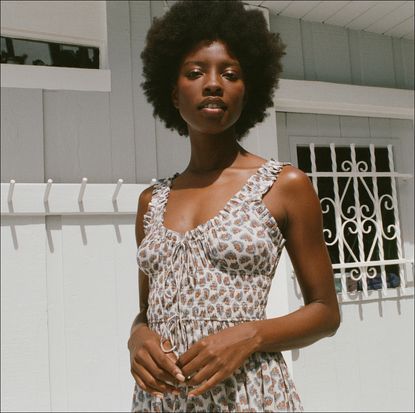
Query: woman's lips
column 212, row 103
column 212, row 111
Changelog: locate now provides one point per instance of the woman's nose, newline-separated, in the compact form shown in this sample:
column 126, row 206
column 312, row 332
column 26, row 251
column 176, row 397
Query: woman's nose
column 213, row 85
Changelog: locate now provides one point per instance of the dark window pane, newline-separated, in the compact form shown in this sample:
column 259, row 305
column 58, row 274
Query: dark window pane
column 3, row 50
column 35, row 52
column 3, row 45
column 363, row 159
column 303, row 155
column 323, row 159
column 342, row 156
column 382, row 159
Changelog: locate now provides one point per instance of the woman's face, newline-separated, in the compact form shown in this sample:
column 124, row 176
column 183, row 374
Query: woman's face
column 210, row 90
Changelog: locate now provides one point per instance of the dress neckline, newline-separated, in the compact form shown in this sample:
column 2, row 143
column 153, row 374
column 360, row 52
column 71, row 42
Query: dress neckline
column 202, row 226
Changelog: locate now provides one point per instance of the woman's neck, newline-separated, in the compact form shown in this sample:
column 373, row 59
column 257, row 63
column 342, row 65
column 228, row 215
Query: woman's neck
column 213, row 152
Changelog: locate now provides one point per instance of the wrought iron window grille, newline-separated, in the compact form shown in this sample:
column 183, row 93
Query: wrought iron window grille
column 359, row 201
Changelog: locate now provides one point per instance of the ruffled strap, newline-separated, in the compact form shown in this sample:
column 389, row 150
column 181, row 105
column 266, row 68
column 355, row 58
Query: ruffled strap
column 154, row 214
column 262, row 181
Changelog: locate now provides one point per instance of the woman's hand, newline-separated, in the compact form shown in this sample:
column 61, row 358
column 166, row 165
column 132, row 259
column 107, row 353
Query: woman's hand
column 215, row 357
column 151, row 368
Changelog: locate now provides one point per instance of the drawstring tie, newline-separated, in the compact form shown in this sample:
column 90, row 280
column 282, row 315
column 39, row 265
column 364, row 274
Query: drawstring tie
column 173, row 326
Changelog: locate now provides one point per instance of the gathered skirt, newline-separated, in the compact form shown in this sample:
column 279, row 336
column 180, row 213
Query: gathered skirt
column 261, row 384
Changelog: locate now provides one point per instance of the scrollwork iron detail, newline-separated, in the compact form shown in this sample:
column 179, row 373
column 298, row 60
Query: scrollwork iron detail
column 362, row 218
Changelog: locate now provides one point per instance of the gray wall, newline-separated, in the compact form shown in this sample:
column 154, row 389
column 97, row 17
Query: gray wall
column 330, row 53
column 368, row 365
column 66, row 135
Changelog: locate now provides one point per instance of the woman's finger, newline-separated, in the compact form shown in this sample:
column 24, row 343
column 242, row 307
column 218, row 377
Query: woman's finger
column 195, row 364
column 211, row 382
column 157, row 372
column 171, row 355
column 166, row 362
column 204, row 374
column 151, row 381
column 144, row 387
column 191, row 353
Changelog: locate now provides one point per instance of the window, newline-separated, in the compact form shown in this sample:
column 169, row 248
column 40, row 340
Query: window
column 357, row 190
column 35, row 52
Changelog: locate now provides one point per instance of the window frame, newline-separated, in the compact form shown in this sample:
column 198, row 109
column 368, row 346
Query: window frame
column 407, row 286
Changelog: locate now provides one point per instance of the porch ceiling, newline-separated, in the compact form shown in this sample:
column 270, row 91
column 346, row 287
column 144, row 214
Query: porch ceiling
column 391, row 18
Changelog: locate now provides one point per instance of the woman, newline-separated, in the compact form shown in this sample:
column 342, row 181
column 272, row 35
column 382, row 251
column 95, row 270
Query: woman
column 210, row 237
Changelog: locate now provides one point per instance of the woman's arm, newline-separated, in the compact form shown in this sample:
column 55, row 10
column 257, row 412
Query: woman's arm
column 141, row 319
column 151, row 368
column 215, row 357
column 143, row 287
column 303, row 230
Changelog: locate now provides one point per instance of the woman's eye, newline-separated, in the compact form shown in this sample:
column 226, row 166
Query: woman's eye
column 231, row 75
column 193, row 74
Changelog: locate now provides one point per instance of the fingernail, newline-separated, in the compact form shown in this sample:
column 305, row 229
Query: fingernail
column 180, row 377
column 176, row 392
column 189, row 396
column 159, row 395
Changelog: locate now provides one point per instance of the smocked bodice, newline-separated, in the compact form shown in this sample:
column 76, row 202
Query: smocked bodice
column 219, row 271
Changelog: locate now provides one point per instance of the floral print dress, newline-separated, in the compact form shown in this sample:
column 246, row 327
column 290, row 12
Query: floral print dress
column 209, row 278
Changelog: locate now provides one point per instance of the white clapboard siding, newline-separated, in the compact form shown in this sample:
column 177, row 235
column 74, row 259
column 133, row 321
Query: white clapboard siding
column 69, row 295
column 24, row 320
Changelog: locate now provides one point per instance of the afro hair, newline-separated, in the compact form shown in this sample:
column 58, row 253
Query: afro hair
column 190, row 22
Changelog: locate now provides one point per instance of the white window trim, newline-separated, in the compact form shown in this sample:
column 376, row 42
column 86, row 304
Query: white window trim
column 55, row 78
column 305, row 96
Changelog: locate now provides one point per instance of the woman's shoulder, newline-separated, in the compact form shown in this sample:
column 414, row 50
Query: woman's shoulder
column 293, row 179
column 145, row 197
column 147, row 194
column 295, row 190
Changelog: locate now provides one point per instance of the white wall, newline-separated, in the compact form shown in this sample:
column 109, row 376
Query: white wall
column 367, row 366
column 24, row 318
column 69, row 293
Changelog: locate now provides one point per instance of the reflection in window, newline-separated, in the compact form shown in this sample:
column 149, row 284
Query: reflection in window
column 35, row 52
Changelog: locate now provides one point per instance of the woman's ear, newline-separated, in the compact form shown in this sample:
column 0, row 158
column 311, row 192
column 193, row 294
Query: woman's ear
column 174, row 97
